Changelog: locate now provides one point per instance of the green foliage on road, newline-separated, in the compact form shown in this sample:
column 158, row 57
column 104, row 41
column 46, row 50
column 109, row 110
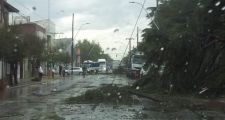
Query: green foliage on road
column 91, row 51
column 189, row 45
column 107, row 94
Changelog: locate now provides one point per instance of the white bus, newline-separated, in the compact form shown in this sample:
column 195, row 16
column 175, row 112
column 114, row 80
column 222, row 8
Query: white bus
column 102, row 65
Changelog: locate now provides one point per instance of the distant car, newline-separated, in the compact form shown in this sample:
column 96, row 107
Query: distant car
column 76, row 71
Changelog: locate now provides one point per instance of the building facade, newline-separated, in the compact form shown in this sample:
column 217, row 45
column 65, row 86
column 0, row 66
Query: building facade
column 49, row 26
column 5, row 10
column 30, row 29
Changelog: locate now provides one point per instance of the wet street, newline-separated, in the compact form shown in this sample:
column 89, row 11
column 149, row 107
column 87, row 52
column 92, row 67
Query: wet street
column 46, row 101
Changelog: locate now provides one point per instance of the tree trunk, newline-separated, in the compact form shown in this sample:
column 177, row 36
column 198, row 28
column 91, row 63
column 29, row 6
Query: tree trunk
column 15, row 73
column 21, row 69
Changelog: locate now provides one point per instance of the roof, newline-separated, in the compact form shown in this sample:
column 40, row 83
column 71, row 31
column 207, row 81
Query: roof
column 88, row 61
column 9, row 7
column 33, row 24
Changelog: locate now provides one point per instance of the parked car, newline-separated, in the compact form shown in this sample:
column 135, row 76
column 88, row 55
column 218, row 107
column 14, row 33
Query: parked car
column 76, row 71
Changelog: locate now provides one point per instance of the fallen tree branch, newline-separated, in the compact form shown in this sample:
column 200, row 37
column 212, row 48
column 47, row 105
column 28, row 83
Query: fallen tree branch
column 144, row 96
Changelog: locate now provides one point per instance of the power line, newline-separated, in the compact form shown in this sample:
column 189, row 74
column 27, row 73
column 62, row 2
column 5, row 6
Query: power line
column 135, row 26
column 22, row 5
column 131, row 34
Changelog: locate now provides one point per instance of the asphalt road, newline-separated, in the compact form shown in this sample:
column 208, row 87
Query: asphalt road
column 45, row 101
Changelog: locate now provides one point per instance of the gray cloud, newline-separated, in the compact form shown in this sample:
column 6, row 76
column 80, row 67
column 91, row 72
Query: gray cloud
column 102, row 14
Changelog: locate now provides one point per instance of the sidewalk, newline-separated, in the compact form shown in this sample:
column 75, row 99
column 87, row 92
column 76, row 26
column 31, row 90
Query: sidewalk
column 47, row 86
column 45, row 79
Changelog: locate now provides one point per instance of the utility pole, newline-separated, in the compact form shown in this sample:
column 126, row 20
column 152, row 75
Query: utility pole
column 129, row 43
column 130, row 54
column 157, row 3
column 2, row 9
column 3, row 16
column 137, row 36
column 72, row 44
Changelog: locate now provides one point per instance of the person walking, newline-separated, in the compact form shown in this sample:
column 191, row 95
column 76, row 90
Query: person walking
column 60, row 70
column 84, row 70
column 63, row 72
column 53, row 73
column 40, row 71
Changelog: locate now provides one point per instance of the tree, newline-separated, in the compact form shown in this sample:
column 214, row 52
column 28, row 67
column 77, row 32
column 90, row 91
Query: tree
column 106, row 56
column 33, row 46
column 91, row 51
column 190, row 44
column 59, row 53
column 14, row 47
column 127, row 58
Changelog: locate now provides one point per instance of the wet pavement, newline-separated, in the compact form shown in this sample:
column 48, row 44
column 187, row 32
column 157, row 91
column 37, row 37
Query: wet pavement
column 45, row 101
column 39, row 100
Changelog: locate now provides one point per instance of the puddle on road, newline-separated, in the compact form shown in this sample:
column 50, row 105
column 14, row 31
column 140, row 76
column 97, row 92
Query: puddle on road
column 13, row 93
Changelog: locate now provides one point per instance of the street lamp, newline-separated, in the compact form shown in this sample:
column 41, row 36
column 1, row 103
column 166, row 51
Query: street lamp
column 75, row 39
column 80, row 29
column 60, row 50
column 146, row 12
column 140, row 5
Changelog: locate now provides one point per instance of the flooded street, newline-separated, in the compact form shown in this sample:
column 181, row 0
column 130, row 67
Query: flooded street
column 46, row 101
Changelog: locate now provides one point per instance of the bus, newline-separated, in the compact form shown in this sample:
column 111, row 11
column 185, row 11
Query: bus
column 102, row 65
column 94, row 68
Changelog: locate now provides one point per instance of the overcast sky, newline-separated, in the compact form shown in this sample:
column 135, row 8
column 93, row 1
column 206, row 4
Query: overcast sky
column 104, row 17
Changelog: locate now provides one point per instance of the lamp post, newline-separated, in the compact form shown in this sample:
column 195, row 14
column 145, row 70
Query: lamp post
column 140, row 5
column 80, row 29
column 72, row 44
column 75, row 39
column 60, row 50
column 147, row 11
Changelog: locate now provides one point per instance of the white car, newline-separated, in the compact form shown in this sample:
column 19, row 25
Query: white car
column 76, row 71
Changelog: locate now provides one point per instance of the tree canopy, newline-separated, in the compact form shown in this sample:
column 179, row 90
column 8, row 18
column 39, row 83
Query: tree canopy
column 14, row 46
column 189, row 44
column 91, row 51
column 60, row 53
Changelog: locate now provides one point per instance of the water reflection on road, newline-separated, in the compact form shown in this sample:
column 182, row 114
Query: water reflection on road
column 45, row 101
column 38, row 100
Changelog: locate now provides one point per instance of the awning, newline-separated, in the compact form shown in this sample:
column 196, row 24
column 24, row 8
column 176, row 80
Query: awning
column 9, row 7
